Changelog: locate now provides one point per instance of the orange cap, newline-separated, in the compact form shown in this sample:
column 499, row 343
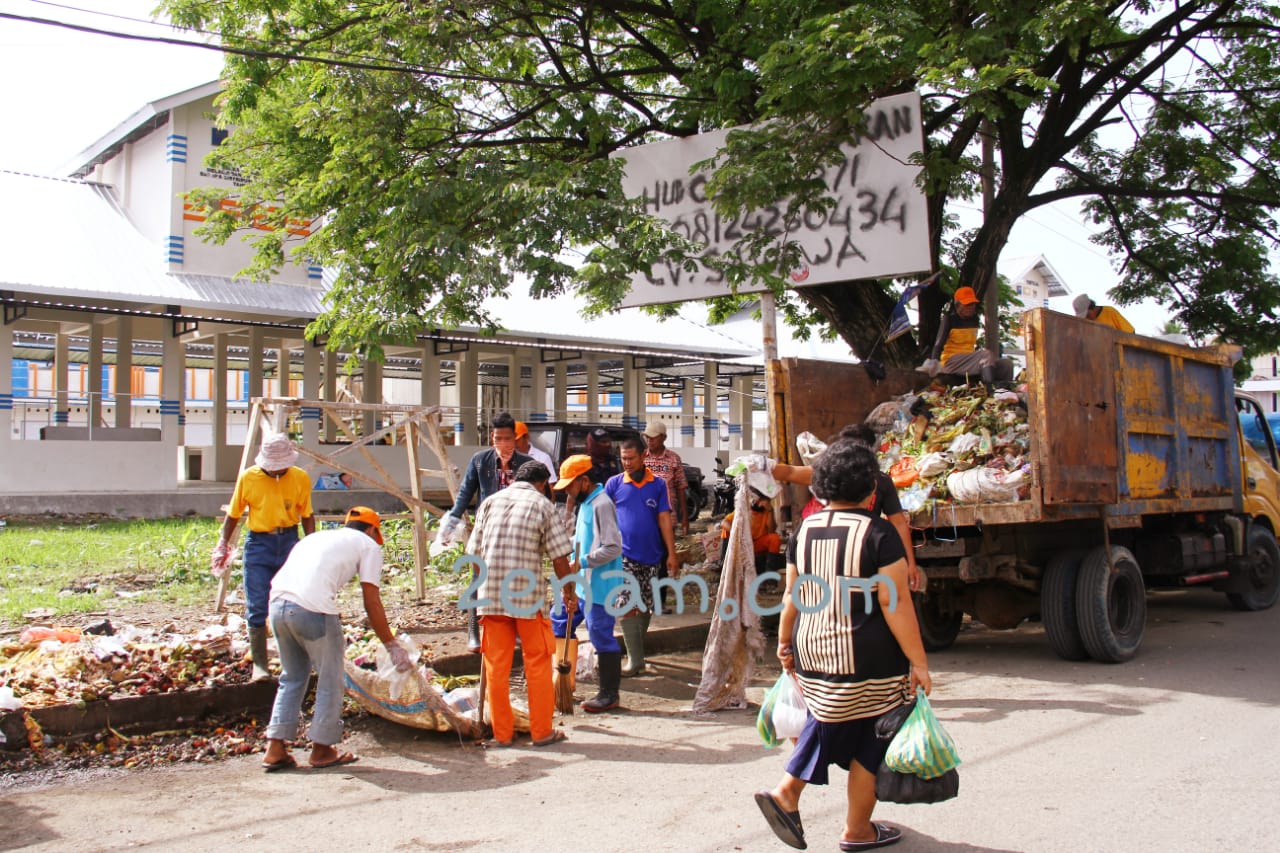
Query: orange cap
column 369, row 517
column 965, row 296
column 521, row 428
column 571, row 469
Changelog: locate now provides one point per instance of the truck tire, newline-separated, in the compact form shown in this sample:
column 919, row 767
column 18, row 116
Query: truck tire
column 1263, row 572
column 1058, row 605
column 938, row 627
column 1111, row 604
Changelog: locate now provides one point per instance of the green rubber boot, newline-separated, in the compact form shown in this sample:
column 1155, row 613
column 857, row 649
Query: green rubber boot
column 633, row 631
column 258, row 651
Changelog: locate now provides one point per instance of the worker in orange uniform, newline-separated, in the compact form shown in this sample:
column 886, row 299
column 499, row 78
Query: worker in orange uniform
column 1087, row 309
column 764, row 528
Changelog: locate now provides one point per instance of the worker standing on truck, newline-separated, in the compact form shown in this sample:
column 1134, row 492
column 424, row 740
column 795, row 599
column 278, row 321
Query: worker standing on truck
column 1087, row 309
column 955, row 350
column 278, row 496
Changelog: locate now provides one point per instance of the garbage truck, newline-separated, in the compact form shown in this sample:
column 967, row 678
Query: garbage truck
column 1142, row 477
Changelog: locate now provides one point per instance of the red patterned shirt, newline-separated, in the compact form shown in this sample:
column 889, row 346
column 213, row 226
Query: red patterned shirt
column 666, row 466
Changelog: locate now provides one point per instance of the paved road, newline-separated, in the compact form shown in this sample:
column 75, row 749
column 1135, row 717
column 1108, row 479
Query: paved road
column 1172, row 751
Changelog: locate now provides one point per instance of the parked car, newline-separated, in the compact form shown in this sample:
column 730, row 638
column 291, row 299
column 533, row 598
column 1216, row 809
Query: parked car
column 561, row 439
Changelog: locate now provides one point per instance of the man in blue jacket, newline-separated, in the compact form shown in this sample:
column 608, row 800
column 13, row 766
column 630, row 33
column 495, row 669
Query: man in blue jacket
column 597, row 556
column 488, row 472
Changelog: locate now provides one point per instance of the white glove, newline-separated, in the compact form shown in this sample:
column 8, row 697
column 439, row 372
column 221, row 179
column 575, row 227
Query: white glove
column 448, row 524
column 220, row 558
column 931, row 366
column 757, row 463
column 399, row 656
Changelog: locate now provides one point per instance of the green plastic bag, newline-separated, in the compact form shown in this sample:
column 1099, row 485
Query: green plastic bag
column 921, row 747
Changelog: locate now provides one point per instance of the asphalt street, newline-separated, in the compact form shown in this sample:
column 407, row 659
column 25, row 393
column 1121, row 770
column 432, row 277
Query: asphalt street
column 1172, row 751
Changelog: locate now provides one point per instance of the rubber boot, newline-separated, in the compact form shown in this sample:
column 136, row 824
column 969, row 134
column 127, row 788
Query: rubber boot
column 258, row 651
column 610, row 664
column 989, row 379
column 633, row 631
column 473, row 634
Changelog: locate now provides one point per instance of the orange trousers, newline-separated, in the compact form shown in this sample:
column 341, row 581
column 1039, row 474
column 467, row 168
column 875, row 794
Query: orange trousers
column 498, row 643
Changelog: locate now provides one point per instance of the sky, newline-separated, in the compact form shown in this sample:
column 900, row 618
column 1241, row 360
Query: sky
column 63, row 90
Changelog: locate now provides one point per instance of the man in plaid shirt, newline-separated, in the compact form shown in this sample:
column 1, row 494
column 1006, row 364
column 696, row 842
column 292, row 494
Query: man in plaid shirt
column 517, row 529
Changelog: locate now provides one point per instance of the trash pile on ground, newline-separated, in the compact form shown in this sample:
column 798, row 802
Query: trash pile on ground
column 957, row 444
column 49, row 666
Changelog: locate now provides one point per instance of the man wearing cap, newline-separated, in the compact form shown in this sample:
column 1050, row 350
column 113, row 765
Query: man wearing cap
column 305, row 620
column 648, row 540
column 667, row 466
column 526, row 446
column 597, row 556
column 955, row 350
column 516, row 529
column 1104, row 314
column 278, row 496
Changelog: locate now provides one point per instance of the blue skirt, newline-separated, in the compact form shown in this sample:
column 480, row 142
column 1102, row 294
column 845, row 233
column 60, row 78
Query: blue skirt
column 822, row 744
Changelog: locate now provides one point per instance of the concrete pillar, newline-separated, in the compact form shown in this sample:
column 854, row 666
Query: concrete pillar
column 219, row 452
column 61, row 355
column 95, row 375
column 467, row 379
column 740, row 417
column 430, row 390
column 372, row 394
column 593, row 388
column 172, row 368
column 688, row 414
column 331, row 368
column 6, row 387
column 537, row 391
column 124, row 371
column 280, row 387
column 255, row 363
column 710, row 416
column 560, row 392
column 525, row 397
column 630, row 405
column 310, row 415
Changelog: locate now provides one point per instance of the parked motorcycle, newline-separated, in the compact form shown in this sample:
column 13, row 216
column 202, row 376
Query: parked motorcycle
column 725, row 491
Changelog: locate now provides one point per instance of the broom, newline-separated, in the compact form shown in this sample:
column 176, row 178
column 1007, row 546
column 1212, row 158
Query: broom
column 562, row 679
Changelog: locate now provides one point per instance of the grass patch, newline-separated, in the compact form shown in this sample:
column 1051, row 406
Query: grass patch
column 76, row 567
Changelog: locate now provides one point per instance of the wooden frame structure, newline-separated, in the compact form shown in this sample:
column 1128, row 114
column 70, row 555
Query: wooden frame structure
column 411, row 426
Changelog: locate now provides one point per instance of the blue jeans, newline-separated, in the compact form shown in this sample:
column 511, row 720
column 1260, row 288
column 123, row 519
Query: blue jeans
column 307, row 640
column 264, row 554
column 599, row 626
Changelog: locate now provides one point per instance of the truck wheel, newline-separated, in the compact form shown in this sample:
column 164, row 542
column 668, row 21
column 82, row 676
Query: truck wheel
column 939, row 627
column 1263, row 573
column 1111, row 604
column 1058, row 605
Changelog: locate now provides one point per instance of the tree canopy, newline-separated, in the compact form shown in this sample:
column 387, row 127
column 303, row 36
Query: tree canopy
column 452, row 146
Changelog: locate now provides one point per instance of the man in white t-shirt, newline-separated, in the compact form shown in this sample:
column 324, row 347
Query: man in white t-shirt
column 304, row 618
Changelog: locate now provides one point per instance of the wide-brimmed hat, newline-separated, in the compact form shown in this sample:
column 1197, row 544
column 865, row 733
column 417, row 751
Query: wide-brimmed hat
column 369, row 517
column 277, row 453
column 571, row 469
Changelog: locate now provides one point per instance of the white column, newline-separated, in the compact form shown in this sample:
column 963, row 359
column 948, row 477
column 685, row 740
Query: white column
column 430, row 389
column 740, row 425
column 61, row 354
column 526, row 399
column 467, row 379
column 255, row 363
column 331, row 369
column 95, row 375
column 6, row 388
column 124, row 371
column 688, row 414
column 710, row 417
column 560, row 392
column 218, row 439
column 593, row 387
column 310, row 415
column 372, row 394
column 281, row 385
column 630, row 406
column 172, row 419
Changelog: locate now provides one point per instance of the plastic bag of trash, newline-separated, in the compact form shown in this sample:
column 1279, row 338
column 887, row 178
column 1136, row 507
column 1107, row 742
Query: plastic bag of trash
column 9, row 702
column 810, row 447
column 984, row 485
column 932, row 464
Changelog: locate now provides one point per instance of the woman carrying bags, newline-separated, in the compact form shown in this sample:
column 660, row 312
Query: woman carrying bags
column 852, row 665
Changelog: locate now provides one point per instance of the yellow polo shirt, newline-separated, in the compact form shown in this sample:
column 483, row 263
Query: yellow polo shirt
column 272, row 502
column 1109, row 316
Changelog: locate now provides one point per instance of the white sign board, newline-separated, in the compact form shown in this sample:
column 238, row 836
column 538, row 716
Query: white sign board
column 877, row 228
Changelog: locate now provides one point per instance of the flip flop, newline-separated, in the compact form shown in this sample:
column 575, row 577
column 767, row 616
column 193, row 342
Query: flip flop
column 286, row 763
column 343, row 758
column 885, row 835
column 786, row 825
column 555, row 737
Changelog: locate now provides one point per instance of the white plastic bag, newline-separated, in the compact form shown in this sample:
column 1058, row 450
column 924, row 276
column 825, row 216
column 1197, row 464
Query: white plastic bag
column 932, row 464
column 810, row 447
column 394, row 678
column 789, row 712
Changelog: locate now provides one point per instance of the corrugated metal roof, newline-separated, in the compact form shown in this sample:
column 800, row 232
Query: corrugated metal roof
column 69, row 239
